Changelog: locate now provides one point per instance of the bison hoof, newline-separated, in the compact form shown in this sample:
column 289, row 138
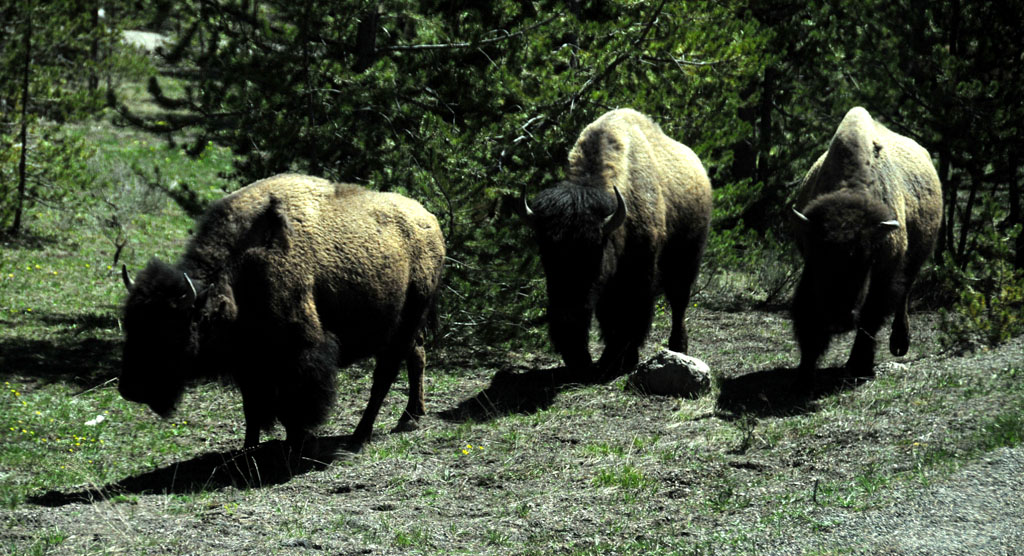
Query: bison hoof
column 355, row 445
column 899, row 344
column 406, row 425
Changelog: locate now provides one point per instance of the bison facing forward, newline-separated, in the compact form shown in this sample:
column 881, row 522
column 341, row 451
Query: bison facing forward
column 630, row 221
column 867, row 217
column 286, row 279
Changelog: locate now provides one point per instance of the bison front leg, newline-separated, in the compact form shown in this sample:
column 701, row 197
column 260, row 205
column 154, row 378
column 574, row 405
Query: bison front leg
column 255, row 405
column 811, row 333
column 625, row 322
column 252, row 435
column 570, row 335
column 384, row 374
column 862, row 357
column 813, row 341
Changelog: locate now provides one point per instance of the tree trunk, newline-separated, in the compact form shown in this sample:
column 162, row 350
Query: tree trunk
column 976, row 173
column 366, row 37
column 1013, row 182
column 951, row 189
column 764, row 135
column 945, row 242
column 94, row 47
column 1018, row 258
column 23, row 159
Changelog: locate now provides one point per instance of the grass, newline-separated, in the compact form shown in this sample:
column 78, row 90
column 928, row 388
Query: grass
column 60, row 292
column 596, row 469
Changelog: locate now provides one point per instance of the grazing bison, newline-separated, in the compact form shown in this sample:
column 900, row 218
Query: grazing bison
column 630, row 221
column 867, row 217
column 285, row 280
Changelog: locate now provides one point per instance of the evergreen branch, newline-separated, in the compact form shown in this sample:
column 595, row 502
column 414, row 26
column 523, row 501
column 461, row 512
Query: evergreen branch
column 595, row 80
column 474, row 44
column 684, row 61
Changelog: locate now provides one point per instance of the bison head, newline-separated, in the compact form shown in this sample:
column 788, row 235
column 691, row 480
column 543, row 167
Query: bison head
column 161, row 323
column 573, row 224
column 841, row 236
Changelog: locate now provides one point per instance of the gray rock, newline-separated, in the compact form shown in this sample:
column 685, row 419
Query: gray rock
column 671, row 374
column 890, row 367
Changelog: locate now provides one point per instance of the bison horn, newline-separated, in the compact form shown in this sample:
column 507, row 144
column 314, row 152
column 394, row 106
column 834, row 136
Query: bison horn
column 526, row 212
column 191, row 286
column 128, row 283
column 800, row 215
column 890, row 224
column 615, row 219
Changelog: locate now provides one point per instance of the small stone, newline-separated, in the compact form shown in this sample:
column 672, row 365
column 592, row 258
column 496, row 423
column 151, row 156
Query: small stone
column 671, row 373
column 890, row 367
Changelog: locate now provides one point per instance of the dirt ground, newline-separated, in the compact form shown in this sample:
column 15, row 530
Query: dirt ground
column 512, row 460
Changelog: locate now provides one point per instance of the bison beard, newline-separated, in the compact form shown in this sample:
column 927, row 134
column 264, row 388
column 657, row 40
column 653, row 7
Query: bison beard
column 284, row 281
column 866, row 219
column 629, row 223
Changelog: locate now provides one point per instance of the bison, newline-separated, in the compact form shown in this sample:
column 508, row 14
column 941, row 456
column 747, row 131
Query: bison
column 867, row 216
column 285, row 280
column 630, row 221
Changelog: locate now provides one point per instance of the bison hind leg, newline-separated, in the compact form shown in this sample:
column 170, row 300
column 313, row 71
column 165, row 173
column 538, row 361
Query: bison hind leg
column 415, row 364
column 899, row 339
column 384, row 374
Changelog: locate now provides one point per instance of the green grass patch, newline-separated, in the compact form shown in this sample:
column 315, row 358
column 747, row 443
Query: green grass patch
column 626, row 477
column 61, row 417
column 1006, row 430
column 598, row 470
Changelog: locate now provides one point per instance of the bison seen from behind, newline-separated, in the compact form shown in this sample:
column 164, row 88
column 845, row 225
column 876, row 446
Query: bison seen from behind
column 630, row 221
column 867, row 216
column 285, row 280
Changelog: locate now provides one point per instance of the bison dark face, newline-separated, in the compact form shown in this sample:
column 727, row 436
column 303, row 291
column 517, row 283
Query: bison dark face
column 840, row 238
column 572, row 225
column 161, row 336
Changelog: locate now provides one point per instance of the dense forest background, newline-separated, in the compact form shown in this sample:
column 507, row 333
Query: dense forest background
column 466, row 106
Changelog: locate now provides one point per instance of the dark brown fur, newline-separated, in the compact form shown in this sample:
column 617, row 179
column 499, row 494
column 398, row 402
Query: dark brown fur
column 617, row 273
column 293, row 276
column 870, row 210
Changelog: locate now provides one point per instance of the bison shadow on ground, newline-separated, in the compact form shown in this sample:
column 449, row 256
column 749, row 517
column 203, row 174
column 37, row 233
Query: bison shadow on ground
column 513, row 390
column 781, row 391
column 85, row 361
column 270, row 463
